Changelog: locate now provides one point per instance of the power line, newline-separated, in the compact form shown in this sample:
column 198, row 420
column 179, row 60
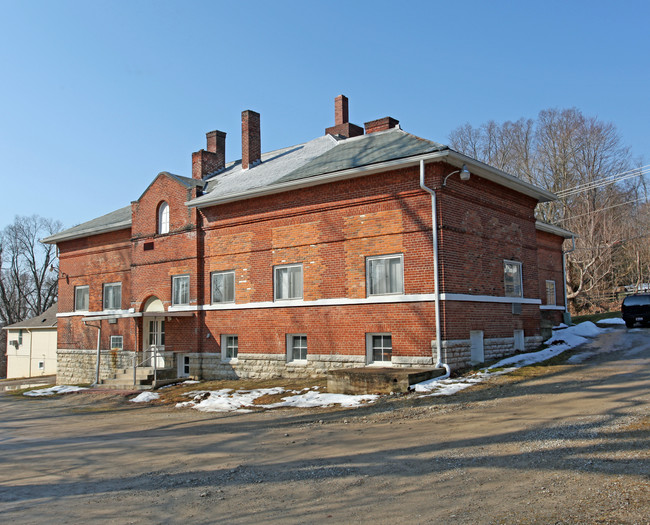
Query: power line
column 636, row 172
column 601, row 209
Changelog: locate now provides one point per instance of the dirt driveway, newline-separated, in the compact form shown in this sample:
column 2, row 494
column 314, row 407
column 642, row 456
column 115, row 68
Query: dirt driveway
column 557, row 444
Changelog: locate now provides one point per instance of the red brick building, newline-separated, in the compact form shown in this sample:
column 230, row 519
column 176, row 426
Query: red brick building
column 315, row 256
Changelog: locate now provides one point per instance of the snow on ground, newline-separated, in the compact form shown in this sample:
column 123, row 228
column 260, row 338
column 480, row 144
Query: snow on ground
column 59, row 389
column 146, row 397
column 612, row 320
column 228, row 400
column 561, row 341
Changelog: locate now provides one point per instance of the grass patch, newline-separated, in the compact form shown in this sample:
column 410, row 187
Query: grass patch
column 594, row 318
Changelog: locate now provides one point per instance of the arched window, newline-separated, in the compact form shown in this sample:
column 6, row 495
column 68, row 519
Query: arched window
column 163, row 218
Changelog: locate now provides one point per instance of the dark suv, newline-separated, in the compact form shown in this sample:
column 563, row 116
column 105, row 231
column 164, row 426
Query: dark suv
column 636, row 309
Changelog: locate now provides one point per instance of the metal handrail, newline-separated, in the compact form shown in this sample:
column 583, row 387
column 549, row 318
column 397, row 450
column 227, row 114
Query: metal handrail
column 154, row 354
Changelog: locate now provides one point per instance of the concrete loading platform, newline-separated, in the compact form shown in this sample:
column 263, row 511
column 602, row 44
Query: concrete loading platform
column 373, row 380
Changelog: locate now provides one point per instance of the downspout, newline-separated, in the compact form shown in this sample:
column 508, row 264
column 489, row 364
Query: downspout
column 567, row 316
column 436, row 281
column 99, row 335
column 31, row 342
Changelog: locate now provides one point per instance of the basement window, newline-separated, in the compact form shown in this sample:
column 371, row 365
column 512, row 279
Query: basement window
column 296, row 348
column 379, row 349
column 117, row 342
column 229, row 347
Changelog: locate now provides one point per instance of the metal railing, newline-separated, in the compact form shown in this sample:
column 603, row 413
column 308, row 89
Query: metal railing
column 154, row 358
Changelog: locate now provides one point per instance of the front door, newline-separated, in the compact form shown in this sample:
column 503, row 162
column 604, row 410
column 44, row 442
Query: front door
column 154, row 340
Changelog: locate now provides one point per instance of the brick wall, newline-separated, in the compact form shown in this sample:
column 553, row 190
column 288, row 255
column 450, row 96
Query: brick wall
column 330, row 230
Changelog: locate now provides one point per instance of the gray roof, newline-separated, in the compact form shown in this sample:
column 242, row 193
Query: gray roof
column 46, row 320
column 115, row 220
column 308, row 164
column 320, row 156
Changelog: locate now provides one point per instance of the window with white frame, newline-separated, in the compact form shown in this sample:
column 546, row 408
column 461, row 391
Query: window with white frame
column 287, row 282
column 112, row 296
column 296, row 347
column 223, row 287
column 81, row 295
column 163, row 218
column 117, row 342
column 550, row 293
column 512, row 278
column 379, row 348
column 180, row 290
column 20, row 337
column 229, row 347
column 385, row 274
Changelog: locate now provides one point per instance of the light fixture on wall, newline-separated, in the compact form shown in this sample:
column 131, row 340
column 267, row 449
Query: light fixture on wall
column 464, row 174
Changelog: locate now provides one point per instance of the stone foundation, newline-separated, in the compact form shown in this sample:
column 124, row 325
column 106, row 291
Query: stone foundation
column 78, row 366
column 457, row 353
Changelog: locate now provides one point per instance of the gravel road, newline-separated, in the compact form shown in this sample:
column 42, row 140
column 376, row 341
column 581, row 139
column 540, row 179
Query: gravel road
column 562, row 444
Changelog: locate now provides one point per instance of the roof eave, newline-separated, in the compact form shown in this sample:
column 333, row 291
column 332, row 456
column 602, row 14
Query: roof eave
column 500, row 177
column 555, row 230
column 55, row 239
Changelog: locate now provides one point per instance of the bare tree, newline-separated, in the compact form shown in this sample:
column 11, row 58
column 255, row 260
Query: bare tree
column 576, row 157
column 27, row 286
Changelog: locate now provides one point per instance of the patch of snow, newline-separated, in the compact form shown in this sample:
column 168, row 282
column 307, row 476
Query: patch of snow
column 146, row 397
column 59, row 389
column 561, row 341
column 612, row 320
column 227, row 400
column 560, row 326
column 318, row 399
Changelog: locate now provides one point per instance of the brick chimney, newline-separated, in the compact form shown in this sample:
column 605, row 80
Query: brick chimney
column 213, row 159
column 251, row 143
column 381, row 124
column 341, row 125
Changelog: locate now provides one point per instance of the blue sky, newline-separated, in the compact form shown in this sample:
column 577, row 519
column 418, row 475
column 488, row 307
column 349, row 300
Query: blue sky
column 97, row 97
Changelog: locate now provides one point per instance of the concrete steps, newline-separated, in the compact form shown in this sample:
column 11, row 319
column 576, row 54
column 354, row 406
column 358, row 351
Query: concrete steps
column 144, row 379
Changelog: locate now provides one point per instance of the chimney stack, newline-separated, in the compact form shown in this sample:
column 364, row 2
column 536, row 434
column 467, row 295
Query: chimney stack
column 341, row 125
column 213, row 159
column 251, row 143
column 381, row 124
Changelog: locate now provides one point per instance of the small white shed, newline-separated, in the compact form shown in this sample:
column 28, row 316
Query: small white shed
column 31, row 346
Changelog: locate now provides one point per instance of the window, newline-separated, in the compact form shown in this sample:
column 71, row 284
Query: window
column 117, row 342
column 550, row 292
column 385, row 275
column 163, row 218
column 20, row 337
column 229, row 347
column 180, row 290
column 41, row 365
column 379, row 348
column 287, row 282
column 512, row 278
column 112, row 296
column 81, row 294
column 223, row 287
column 296, row 347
